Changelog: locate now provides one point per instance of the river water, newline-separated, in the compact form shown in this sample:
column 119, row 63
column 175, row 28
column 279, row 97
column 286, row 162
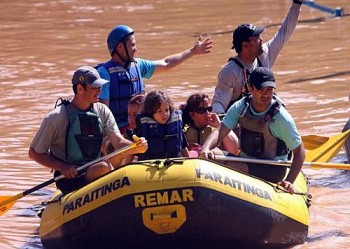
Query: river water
column 43, row 42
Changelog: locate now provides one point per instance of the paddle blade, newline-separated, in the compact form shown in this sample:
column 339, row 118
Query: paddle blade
column 328, row 150
column 6, row 203
column 312, row 142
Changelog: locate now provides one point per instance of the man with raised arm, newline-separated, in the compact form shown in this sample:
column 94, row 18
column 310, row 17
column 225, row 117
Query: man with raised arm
column 247, row 41
column 125, row 72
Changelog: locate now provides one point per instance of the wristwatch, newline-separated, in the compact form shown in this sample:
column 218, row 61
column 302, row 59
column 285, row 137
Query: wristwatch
column 298, row 2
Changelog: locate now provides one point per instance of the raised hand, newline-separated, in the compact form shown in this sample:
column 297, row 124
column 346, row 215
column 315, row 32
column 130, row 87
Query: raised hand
column 202, row 46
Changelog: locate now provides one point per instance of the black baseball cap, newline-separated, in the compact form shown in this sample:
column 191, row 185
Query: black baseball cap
column 262, row 77
column 243, row 32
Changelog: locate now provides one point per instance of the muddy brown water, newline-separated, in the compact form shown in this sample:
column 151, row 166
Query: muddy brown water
column 43, row 42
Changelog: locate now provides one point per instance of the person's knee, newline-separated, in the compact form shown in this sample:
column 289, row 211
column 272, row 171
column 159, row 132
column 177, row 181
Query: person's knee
column 97, row 170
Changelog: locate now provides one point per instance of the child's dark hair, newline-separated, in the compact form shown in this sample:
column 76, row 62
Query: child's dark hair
column 137, row 99
column 193, row 102
column 153, row 101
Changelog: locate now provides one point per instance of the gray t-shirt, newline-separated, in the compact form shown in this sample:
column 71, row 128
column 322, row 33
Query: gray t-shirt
column 52, row 133
column 231, row 78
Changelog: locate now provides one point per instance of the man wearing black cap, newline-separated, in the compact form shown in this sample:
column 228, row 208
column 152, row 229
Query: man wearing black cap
column 71, row 135
column 251, row 53
column 267, row 131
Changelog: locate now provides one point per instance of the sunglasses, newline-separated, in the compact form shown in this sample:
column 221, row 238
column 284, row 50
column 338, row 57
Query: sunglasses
column 91, row 87
column 201, row 110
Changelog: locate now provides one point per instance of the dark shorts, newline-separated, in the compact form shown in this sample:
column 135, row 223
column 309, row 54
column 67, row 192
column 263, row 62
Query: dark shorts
column 69, row 185
column 271, row 173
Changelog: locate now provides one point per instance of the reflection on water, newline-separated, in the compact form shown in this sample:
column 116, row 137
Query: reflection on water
column 42, row 42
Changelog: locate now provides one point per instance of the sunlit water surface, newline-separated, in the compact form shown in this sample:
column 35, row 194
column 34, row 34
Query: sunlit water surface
column 43, row 42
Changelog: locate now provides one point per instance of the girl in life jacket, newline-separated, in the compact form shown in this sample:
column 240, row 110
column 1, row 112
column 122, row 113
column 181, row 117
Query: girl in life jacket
column 200, row 121
column 161, row 125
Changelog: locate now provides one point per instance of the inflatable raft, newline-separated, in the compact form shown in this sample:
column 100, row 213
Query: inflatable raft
column 179, row 203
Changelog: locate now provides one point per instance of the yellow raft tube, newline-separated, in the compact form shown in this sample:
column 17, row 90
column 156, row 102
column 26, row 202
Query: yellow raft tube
column 183, row 203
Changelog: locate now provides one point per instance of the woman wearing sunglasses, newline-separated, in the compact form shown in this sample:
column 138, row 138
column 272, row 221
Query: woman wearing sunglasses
column 199, row 121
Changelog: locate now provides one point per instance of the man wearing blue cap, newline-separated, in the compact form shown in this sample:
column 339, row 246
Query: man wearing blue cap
column 267, row 131
column 71, row 135
column 251, row 53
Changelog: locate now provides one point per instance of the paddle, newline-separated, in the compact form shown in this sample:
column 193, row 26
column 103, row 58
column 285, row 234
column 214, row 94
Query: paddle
column 312, row 142
column 6, row 202
column 314, row 165
column 317, row 158
column 347, row 143
column 328, row 150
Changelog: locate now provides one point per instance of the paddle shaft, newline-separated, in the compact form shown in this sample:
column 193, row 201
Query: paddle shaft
column 283, row 163
column 44, row 184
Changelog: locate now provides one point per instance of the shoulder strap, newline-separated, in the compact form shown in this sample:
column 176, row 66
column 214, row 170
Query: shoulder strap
column 247, row 100
column 245, row 73
column 274, row 109
column 62, row 101
column 259, row 63
column 237, row 62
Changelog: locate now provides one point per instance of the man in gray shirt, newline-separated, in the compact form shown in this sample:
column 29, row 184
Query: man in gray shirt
column 71, row 135
column 251, row 53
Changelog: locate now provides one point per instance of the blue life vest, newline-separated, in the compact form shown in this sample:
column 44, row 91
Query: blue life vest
column 84, row 136
column 124, row 83
column 256, row 139
column 164, row 141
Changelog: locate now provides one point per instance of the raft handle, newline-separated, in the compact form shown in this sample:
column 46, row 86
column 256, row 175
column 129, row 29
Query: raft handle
column 163, row 216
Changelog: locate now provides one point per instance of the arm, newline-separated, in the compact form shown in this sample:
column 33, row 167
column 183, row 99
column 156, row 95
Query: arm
column 227, row 87
column 68, row 171
column 111, row 129
column 118, row 141
column 171, row 61
column 297, row 163
column 213, row 140
column 230, row 142
column 104, row 95
column 283, row 34
column 185, row 152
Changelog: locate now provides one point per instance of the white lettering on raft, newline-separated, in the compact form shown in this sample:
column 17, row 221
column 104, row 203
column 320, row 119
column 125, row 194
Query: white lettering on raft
column 248, row 188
